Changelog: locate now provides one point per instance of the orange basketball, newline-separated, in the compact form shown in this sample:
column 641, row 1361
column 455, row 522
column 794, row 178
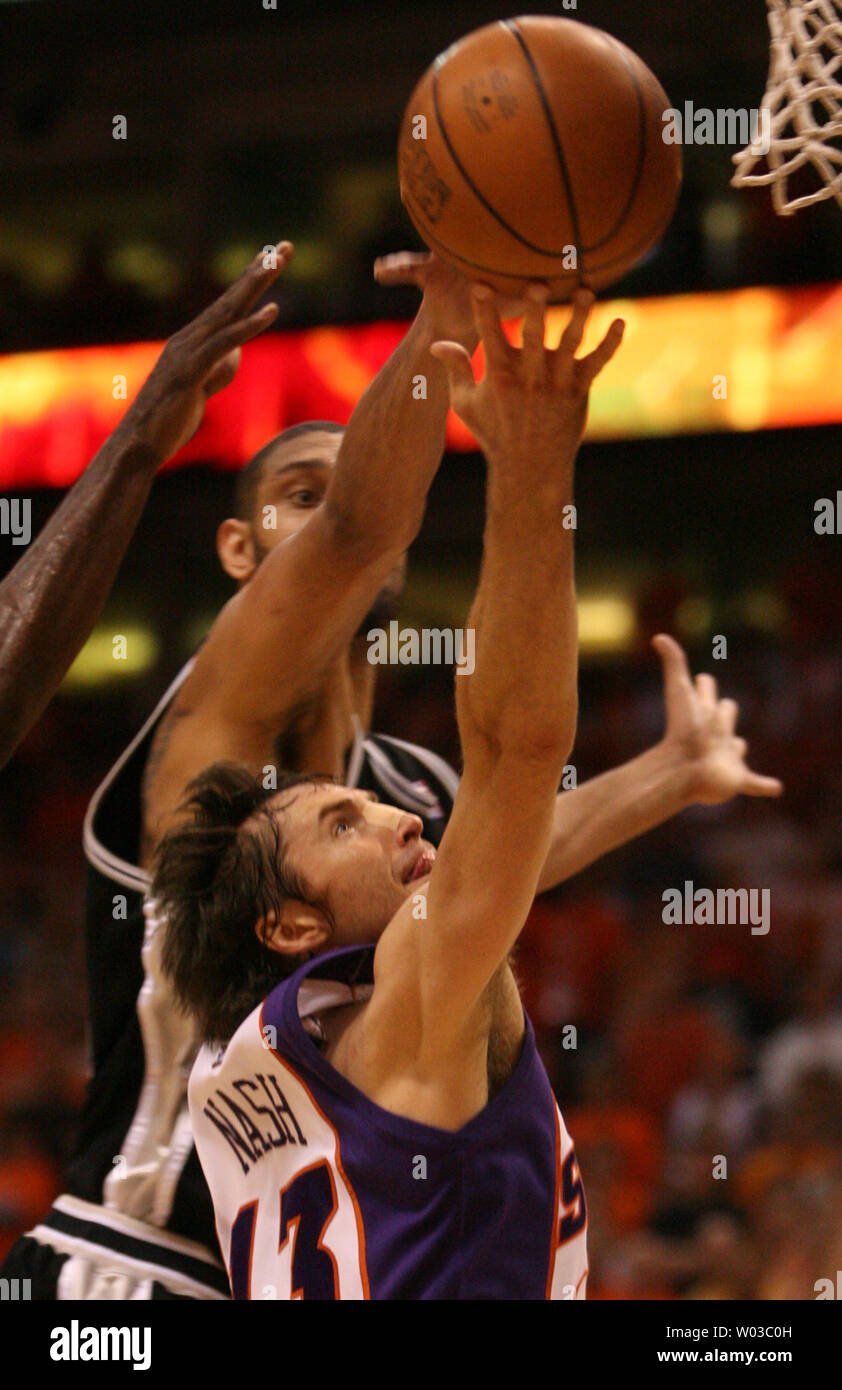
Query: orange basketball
column 533, row 149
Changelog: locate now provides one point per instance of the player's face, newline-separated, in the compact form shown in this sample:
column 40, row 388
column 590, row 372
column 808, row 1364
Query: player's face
column 293, row 484
column 359, row 857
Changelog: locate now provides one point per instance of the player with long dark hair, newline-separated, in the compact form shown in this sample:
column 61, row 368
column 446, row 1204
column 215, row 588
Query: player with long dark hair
column 369, row 1107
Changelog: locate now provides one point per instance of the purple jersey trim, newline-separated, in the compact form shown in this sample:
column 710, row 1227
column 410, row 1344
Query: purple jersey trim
column 480, row 1223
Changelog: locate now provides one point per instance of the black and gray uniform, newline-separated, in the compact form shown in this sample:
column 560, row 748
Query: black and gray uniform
column 136, row 1221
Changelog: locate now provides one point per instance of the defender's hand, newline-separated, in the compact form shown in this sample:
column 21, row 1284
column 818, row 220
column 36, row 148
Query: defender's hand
column 447, row 294
column 200, row 360
column 700, row 733
column 530, row 408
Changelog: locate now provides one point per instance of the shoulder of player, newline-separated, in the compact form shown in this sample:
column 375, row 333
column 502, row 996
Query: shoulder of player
column 193, row 735
column 416, row 759
column 224, row 670
column 215, row 1060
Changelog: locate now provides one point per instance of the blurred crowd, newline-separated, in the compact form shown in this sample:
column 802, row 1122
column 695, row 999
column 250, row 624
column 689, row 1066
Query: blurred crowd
column 116, row 289
column 704, row 1094
column 698, row 1068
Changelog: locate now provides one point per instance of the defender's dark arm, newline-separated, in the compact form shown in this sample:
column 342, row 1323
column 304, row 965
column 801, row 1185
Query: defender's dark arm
column 54, row 595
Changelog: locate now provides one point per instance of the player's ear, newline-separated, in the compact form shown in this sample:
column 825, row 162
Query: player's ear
column 300, row 928
column 235, row 548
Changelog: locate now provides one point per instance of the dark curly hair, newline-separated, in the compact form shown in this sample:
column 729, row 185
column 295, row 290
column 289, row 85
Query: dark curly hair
column 213, row 879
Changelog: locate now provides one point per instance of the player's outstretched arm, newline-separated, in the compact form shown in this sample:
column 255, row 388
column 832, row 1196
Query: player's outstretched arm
column 517, row 711
column 54, row 595
column 699, row 760
column 273, row 640
column 393, row 443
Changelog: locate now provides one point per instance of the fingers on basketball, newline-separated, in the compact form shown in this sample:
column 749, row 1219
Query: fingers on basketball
column 402, row 267
column 533, row 352
column 498, row 351
column 571, row 338
column 593, row 363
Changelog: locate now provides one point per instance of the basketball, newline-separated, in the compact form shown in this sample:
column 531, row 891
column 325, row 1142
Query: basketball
column 532, row 149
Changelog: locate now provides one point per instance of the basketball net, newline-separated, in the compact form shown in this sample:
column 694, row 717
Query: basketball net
column 803, row 85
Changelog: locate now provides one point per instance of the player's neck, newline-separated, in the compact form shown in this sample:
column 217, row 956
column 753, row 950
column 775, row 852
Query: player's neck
column 363, row 680
column 339, row 1036
column 323, row 733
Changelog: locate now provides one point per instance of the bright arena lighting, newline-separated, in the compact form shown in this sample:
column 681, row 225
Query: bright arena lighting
column 104, row 658
column 607, row 623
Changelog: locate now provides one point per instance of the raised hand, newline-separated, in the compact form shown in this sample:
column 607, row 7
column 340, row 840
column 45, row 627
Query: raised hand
column 531, row 405
column 701, row 731
column 201, row 359
column 447, row 294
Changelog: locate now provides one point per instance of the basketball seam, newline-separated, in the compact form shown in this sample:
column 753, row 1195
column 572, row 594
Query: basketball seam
column 583, row 270
column 530, row 245
column 655, row 233
column 646, row 241
column 511, row 25
column 641, row 155
column 477, row 265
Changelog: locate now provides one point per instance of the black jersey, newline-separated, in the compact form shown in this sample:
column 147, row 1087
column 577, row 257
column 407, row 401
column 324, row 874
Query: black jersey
column 135, row 1156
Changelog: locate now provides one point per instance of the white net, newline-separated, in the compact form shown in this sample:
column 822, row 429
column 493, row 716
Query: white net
column 801, row 116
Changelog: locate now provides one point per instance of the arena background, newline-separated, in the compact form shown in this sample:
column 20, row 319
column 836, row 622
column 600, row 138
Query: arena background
column 246, row 125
